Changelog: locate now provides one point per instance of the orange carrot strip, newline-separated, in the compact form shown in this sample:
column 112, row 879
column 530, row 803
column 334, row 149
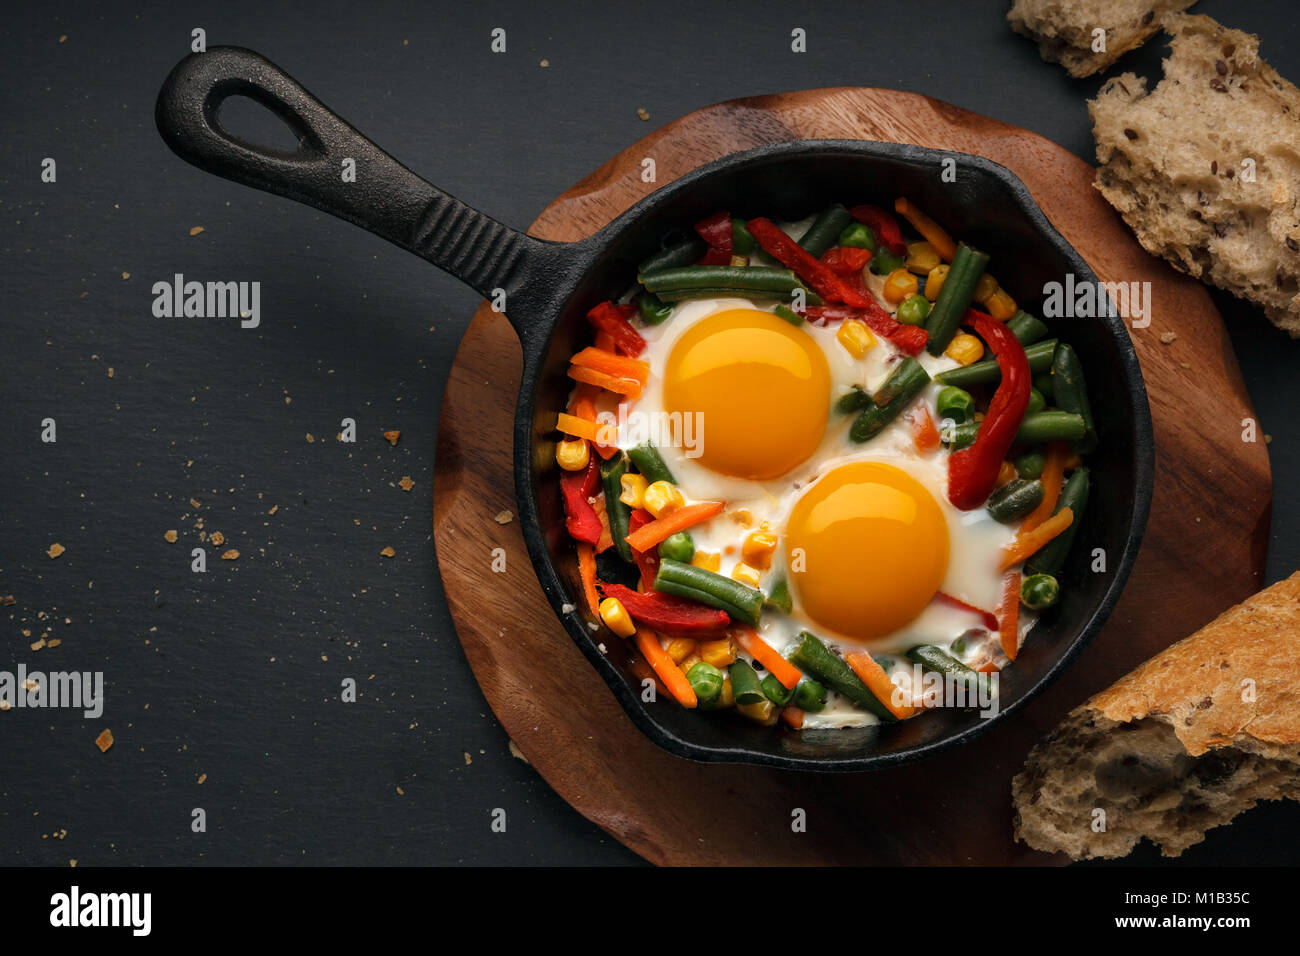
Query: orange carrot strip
column 792, row 715
column 624, row 386
column 1029, row 544
column 1009, row 614
column 924, row 434
column 582, row 428
column 988, row 667
column 584, row 407
column 649, row 535
column 1053, row 478
column 878, row 682
column 582, row 393
column 587, row 571
column 617, row 365
column 642, row 670
column 927, row 227
column 606, row 539
column 766, row 655
column 647, row 641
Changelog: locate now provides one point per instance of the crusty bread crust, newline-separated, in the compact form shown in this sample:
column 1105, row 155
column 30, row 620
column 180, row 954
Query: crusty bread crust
column 1182, row 744
column 1063, row 28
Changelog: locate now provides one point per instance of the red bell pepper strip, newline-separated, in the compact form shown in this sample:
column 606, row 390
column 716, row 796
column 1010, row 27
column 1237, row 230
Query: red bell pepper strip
column 790, row 254
column 910, row 338
column 973, row 471
column 577, row 487
column 846, row 260
column 883, row 225
column 613, row 319
column 646, row 561
column 716, row 231
column 669, row 614
column 989, row 620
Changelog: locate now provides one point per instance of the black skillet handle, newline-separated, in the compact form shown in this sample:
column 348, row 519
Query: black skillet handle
column 386, row 197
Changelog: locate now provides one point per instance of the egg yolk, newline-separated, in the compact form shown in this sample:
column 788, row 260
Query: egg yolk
column 868, row 548
column 761, row 389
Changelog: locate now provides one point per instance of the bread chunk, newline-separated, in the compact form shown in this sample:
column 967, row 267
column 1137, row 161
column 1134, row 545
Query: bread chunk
column 1063, row 29
column 1196, row 735
column 1205, row 168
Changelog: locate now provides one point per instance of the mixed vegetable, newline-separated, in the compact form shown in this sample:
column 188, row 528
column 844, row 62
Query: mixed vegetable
column 1013, row 415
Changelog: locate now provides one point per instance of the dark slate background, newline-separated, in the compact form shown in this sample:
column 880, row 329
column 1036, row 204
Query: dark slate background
column 236, row 673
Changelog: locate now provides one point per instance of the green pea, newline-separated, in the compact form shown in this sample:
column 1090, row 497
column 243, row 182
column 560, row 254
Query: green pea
column 678, row 547
column 955, row 403
column 1039, row 591
column 742, row 243
column 858, row 236
column 958, row 646
column 914, row 310
column 1036, row 402
column 883, row 262
column 706, row 680
column 653, row 309
column 809, row 695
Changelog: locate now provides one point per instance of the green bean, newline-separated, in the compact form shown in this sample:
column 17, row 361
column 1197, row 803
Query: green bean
column 678, row 547
column 1072, row 393
column 1026, row 328
column 778, row 595
column 706, row 680
column 611, row 477
column 789, row 314
column 742, row 243
column 932, row 658
column 955, row 296
column 826, row 228
column 854, row 400
column 883, row 262
column 1051, row 556
column 652, row 308
column 1014, row 500
column 903, row 385
column 681, row 253
column 755, row 282
column 1043, row 382
column 811, row 655
column 776, row 692
column 1044, row 426
column 985, row 371
column 809, row 695
column 858, row 236
column 1030, row 464
column 913, row 310
column 1036, row 402
column 685, row 580
column 745, row 686
column 1039, row 591
column 955, row 403
column 649, row 463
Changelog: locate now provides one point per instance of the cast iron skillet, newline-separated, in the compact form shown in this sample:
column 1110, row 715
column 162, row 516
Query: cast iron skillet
column 550, row 286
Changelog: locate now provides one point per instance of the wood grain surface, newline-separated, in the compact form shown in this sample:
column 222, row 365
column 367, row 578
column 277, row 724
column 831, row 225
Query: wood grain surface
column 1203, row 551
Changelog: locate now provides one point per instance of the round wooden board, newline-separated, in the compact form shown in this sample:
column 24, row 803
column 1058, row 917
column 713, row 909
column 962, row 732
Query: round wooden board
column 1203, row 551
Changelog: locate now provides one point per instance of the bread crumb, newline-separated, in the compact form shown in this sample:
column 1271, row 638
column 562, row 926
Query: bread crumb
column 126, row 275
column 202, row 777
column 218, row 539
column 38, row 644
column 104, row 740
column 503, row 517
column 110, row 371
column 1168, row 337
column 401, row 792
column 392, row 436
column 406, row 483
column 310, row 438
column 55, row 550
column 516, row 752
column 194, row 503
column 8, row 600
column 388, row 552
column 468, row 761
column 230, row 555
column 63, row 38
column 545, row 63
column 170, row 536
column 642, row 114
column 274, row 509
column 195, row 230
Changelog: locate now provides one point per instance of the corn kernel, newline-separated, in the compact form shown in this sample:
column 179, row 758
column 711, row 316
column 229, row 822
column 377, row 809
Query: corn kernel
column 934, row 281
column 616, row 618
column 899, row 286
column 709, row 561
column 572, row 454
column 922, row 257
column 1006, row 474
column 745, row 574
column 763, row 712
column 740, row 261
column 742, row 516
column 719, row 653
column 985, row 287
column 964, row 349
column 855, row 337
column 680, row 648
column 758, row 549
column 690, row 662
column 634, row 487
column 727, row 696
column 661, row 498
column 1000, row 305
